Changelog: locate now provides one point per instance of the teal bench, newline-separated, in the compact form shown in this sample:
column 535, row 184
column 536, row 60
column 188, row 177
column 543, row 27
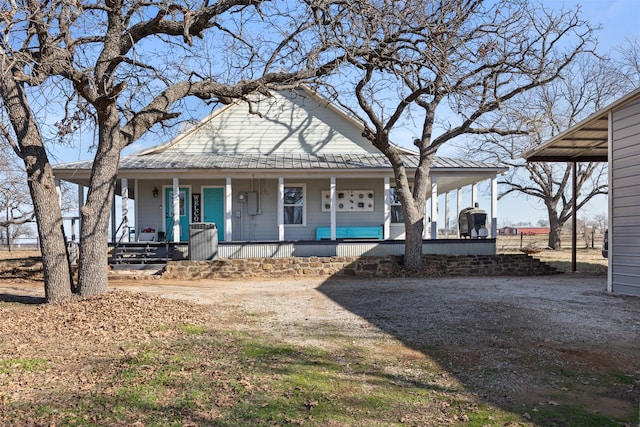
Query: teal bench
column 373, row 232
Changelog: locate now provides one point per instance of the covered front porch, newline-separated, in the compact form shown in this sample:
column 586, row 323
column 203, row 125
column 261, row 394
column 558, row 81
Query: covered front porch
column 350, row 207
column 290, row 209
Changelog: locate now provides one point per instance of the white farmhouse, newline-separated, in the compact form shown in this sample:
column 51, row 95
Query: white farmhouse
column 293, row 176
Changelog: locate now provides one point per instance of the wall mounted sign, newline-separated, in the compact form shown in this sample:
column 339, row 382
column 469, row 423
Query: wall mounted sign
column 195, row 207
column 349, row 201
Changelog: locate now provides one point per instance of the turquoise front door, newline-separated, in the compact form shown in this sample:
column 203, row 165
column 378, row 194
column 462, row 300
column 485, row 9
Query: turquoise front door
column 184, row 213
column 213, row 208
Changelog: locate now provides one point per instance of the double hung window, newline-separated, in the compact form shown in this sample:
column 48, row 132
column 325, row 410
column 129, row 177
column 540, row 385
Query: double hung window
column 294, row 204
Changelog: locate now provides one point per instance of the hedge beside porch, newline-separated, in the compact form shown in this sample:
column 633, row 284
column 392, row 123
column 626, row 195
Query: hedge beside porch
column 390, row 266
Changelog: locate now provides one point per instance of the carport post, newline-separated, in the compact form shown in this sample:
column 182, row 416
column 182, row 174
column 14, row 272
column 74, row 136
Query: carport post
column 574, row 220
column 610, row 203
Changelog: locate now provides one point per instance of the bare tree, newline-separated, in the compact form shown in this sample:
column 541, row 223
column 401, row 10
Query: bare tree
column 16, row 210
column 450, row 67
column 587, row 85
column 28, row 144
column 127, row 65
column 15, row 204
column 628, row 61
column 600, row 222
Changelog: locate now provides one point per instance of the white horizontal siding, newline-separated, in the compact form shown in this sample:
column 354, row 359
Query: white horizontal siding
column 263, row 226
column 624, row 234
column 317, row 218
column 286, row 124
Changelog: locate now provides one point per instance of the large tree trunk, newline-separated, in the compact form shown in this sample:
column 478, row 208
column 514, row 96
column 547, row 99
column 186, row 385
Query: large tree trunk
column 555, row 228
column 58, row 276
column 413, row 204
column 94, row 233
column 58, row 279
column 413, row 259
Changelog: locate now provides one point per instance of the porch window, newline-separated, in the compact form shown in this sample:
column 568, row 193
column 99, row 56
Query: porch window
column 294, row 204
column 182, row 196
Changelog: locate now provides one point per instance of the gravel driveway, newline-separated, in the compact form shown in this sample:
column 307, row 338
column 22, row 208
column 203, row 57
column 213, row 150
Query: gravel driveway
column 509, row 339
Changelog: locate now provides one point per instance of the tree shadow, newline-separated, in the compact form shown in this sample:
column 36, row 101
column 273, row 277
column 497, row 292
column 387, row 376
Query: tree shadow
column 22, row 299
column 513, row 342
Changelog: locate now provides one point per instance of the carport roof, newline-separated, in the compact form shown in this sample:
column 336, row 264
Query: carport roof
column 587, row 141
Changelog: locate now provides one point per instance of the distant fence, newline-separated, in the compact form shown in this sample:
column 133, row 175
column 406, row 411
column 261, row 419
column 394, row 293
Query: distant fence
column 20, row 244
column 503, row 243
column 585, row 240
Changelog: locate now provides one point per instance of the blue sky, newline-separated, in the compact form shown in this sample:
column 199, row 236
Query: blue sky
column 618, row 20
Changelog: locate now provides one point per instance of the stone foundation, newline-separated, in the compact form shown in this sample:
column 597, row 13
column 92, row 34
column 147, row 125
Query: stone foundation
column 435, row 265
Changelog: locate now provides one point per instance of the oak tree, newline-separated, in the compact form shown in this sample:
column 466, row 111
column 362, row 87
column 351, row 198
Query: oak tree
column 586, row 86
column 130, row 67
column 446, row 68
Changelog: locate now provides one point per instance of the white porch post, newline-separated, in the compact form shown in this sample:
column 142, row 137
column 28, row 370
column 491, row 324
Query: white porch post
column 73, row 229
column 114, row 238
column 458, row 208
column 124, row 193
column 494, row 207
column 332, row 189
column 447, row 199
column 474, row 194
column 58, row 191
column 228, row 211
column 136, row 218
column 281, row 209
column 386, row 232
column 176, row 210
column 434, row 207
column 611, row 234
column 80, row 205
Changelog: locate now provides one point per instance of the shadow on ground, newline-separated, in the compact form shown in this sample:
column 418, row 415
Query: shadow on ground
column 21, row 299
column 561, row 343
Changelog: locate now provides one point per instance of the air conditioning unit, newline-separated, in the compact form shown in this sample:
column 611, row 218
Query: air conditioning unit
column 203, row 241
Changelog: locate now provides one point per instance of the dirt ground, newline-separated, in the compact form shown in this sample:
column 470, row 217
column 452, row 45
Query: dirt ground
column 511, row 341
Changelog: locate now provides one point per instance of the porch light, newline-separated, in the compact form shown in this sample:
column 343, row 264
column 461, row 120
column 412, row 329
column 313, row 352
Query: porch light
column 155, row 192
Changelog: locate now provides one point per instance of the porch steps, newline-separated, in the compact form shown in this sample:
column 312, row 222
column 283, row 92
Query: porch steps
column 142, row 253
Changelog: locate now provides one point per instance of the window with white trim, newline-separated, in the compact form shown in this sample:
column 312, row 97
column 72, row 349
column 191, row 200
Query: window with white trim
column 397, row 216
column 294, row 204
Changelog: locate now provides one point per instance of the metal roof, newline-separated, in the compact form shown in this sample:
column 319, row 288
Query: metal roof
column 587, row 141
column 164, row 161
